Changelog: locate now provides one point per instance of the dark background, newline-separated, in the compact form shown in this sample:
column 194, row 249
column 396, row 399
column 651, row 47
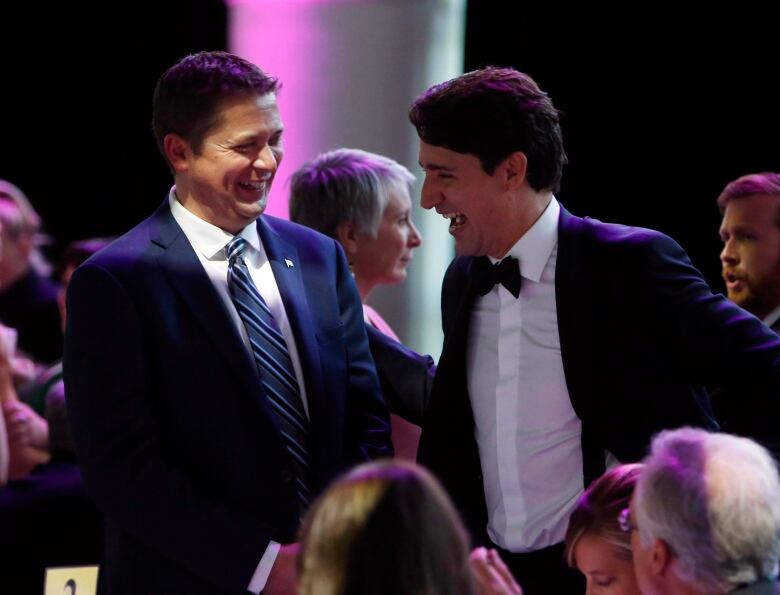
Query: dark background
column 661, row 109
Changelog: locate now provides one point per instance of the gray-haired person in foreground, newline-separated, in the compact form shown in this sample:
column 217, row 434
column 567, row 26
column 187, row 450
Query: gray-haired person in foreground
column 705, row 517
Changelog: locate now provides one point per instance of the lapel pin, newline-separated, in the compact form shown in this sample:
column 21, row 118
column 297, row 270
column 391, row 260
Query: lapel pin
column 289, row 263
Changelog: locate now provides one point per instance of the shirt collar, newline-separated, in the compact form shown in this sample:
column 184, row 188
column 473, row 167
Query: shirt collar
column 206, row 238
column 533, row 250
column 772, row 317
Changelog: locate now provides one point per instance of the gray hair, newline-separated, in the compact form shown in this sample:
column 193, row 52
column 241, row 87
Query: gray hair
column 715, row 500
column 345, row 186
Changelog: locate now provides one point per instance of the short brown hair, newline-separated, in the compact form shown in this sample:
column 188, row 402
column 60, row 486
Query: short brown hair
column 598, row 509
column 189, row 93
column 764, row 183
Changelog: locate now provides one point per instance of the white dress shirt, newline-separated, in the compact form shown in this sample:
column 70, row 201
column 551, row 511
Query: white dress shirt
column 209, row 243
column 526, row 428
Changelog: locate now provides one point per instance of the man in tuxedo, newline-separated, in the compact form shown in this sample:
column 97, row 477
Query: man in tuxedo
column 568, row 342
column 750, row 232
column 216, row 362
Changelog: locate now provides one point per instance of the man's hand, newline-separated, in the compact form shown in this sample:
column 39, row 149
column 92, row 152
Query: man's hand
column 491, row 574
column 283, row 579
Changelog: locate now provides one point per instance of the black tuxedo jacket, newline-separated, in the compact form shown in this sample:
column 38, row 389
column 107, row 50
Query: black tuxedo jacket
column 641, row 334
column 173, row 431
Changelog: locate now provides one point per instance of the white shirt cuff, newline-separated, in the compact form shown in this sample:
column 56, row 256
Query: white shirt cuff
column 260, row 577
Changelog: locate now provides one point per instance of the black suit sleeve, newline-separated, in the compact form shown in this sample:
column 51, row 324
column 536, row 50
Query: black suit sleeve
column 719, row 343
column 405, row 375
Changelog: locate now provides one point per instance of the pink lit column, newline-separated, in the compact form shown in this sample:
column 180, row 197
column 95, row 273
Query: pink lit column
column 349, row 70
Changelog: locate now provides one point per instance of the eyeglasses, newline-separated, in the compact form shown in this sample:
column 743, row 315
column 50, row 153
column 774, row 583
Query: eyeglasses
column 624, row 521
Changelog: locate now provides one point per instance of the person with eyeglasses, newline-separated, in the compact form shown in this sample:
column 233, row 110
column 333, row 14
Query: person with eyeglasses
column 598, row 539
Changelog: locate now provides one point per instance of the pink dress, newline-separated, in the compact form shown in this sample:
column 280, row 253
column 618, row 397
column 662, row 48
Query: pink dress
column 373, row 318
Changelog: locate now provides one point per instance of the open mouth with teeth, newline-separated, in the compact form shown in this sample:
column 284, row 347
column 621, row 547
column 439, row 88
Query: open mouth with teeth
column 252, row 186
column 456, row 219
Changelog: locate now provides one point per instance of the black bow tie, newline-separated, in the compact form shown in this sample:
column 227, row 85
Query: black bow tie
column 506, row 272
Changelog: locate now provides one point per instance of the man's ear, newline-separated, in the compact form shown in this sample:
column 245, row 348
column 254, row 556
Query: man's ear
column 177, row 151
column 515, row 168
column 347, row 235
column 660, row 557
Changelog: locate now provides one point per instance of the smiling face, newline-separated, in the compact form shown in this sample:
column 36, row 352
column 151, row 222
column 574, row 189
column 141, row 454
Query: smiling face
column 605, row 570
column 226, row 182
column 488, row 213
column 751, row 252
column 471, row 199
column 384, row 259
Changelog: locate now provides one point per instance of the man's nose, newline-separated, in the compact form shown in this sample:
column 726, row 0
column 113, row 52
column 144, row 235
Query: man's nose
column 266, row 160
column 429, row 195
column 729, row 254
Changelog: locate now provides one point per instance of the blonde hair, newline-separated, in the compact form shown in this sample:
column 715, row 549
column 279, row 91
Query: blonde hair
column 384, row 528
column 598, row 509
column 23, row 218
column 18, row 217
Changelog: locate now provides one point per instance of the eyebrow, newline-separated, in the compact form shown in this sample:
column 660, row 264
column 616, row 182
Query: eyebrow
column 435, row 167
column 244, row 138
column 737, row 229
column 253, row 136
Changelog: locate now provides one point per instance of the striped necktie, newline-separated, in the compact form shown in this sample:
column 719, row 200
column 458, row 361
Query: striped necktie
column 274, row 366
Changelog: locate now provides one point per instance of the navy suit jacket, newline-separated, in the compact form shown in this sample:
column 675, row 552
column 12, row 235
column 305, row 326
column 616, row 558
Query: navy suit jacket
column 641, row 334
column 174, row 434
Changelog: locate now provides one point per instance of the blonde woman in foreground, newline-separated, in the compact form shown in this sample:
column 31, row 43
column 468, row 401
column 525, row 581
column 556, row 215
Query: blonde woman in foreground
column 387, row 528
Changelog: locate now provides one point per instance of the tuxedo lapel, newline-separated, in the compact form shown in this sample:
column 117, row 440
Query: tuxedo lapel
column 448, row 444
column 574, row 295
column 456, row 334
column 456, row 314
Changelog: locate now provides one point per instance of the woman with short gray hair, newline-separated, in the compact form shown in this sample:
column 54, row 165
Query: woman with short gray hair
column 362, row 200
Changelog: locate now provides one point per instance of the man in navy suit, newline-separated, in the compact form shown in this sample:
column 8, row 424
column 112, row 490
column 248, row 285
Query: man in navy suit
column 568, row 342
column 181, row 435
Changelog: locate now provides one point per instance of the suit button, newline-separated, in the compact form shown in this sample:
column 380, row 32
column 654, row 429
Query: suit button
column 287, row 476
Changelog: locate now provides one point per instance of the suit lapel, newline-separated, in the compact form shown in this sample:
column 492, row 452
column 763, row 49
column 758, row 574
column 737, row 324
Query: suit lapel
column 185, row 272
column 287, row 269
